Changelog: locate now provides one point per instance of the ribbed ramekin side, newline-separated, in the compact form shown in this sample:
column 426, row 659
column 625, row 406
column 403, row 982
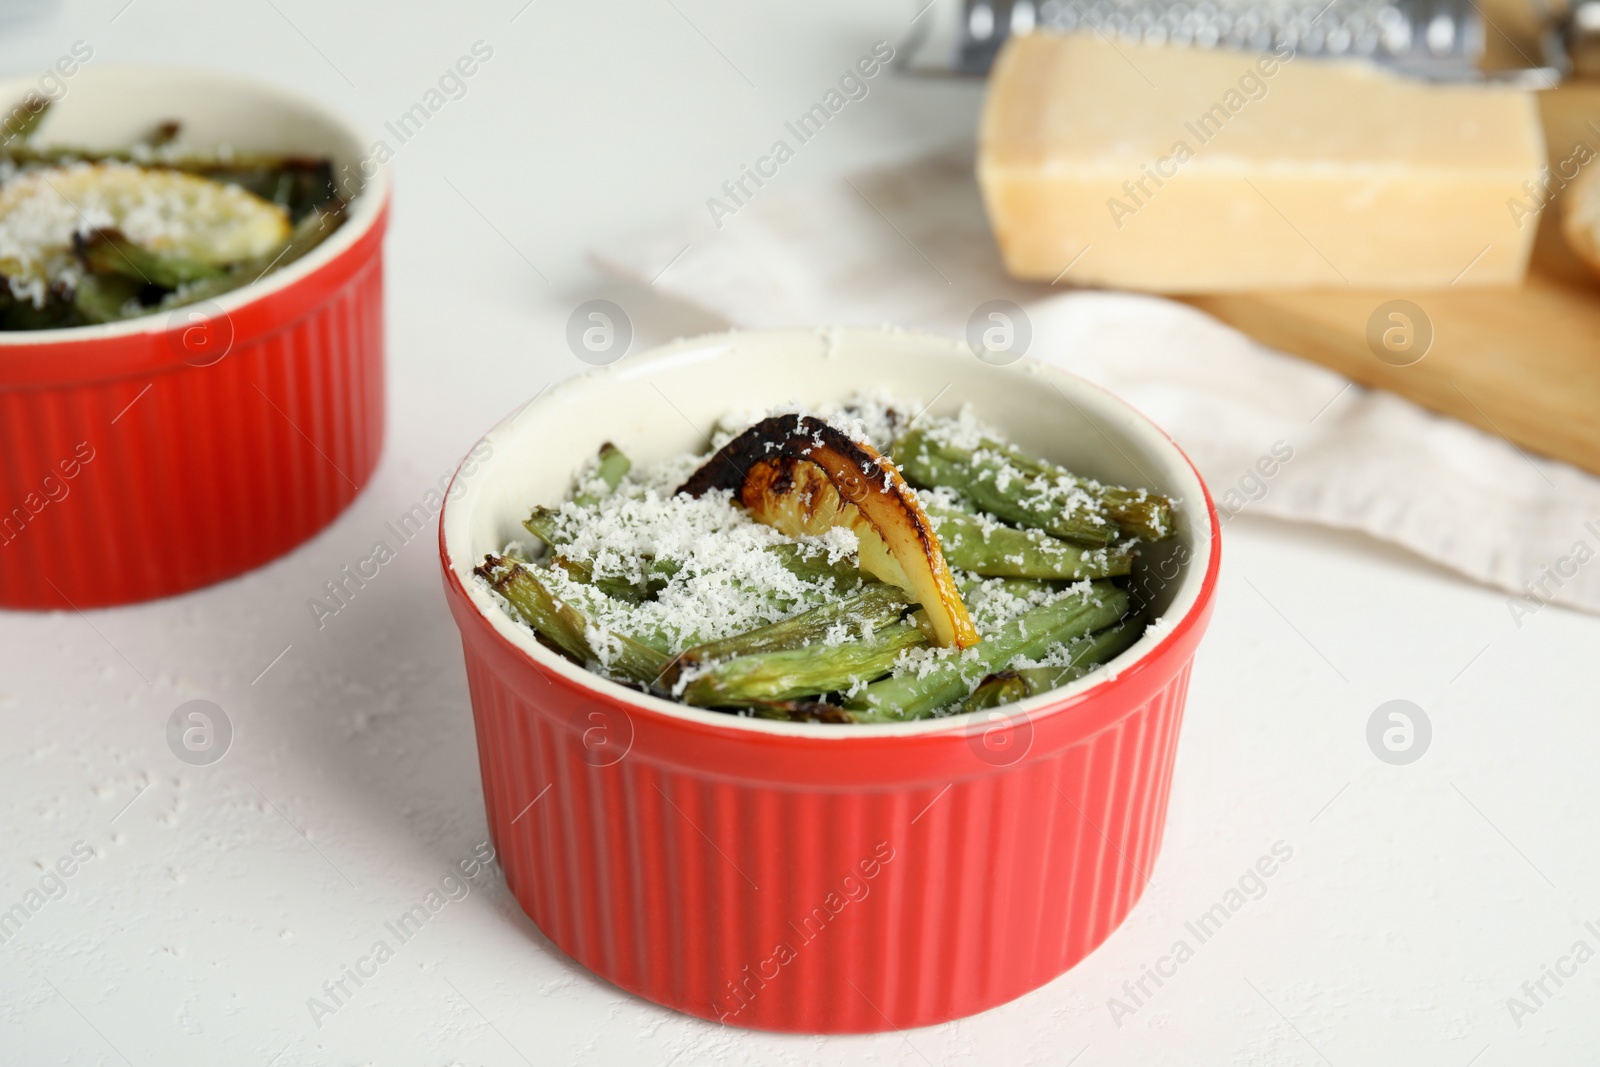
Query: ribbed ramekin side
column 1158, row 784
column 858, row 907
column 1015, row 876
column 198, row 472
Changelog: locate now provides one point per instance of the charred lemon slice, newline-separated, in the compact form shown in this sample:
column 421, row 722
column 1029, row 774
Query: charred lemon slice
column 164, row 211
column 801, row 476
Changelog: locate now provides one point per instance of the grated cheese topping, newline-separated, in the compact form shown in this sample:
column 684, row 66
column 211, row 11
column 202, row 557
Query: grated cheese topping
column 992, row 462
column 712, row 571
column 993, row 603
column 716, row 573
column 873, row 417
column 43, row 209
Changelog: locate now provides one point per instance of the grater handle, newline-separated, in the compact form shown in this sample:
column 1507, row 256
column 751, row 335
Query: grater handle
column 1438, row 40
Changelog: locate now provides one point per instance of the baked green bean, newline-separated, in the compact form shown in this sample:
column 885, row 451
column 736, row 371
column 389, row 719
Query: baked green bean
column 1035, row 562
column 109, row 252
column 1002, row 687
column 808, row 671
column 1024, row 489
column 1084, row 655
column 861, row 613
column 567, row 628
column 991, row 550
column 610, row 467
column 916, row 694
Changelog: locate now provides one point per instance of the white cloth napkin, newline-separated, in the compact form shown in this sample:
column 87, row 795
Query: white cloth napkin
column 1273, row 435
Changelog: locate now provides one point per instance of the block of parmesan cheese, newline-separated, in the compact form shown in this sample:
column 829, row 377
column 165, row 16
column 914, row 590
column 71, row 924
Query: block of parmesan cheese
column 1182, row 170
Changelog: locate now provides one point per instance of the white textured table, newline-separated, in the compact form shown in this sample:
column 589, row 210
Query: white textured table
column 1415, row 900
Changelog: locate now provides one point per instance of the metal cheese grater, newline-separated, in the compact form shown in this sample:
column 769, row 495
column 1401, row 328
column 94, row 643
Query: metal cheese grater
column 1434, row 39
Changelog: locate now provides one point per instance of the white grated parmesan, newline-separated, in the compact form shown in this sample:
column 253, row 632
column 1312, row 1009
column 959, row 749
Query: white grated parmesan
column 43, row 209
column 725, row 581
column 721, row 576
column 875, row 418
column 1061, row 493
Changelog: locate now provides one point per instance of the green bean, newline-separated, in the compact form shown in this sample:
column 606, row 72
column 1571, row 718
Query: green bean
column 109, row 252
column 612, row 464
column 801, row 672
column 797, row 711
column 914, row 695
column 102, row 298
column 163, row 134
column 307, row 234
column 1138, row 511
column 995, row 551
column 542, row 522
column 806, row 562
column 810, row 563
column 873, row 608
column 998, row 487
column 57, row 155
column 56, row 313
column 187, row 280
column 661, row 571
column 24, row 118
column 1002, row 687
column 977, row 585
column 1024, row 489
column 567, row 628
column 1083, row 656
column 990, row 598
column 301, row 186
column 616, row 588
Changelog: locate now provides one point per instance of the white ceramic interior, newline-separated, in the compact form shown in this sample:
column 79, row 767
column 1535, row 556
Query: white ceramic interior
column 662, row 403
column 110, row 106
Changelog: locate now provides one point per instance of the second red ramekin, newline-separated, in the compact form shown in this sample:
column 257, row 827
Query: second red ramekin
column 808, row 877
column 150, row 457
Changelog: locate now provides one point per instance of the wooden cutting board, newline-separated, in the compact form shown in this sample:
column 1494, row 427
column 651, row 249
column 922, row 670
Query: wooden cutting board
column 1523, row 363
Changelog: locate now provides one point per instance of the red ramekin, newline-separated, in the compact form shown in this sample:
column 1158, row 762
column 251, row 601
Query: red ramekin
column 804, row 877
column 146, row 458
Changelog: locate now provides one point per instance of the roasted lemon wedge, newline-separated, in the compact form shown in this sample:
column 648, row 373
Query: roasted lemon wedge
column 167, row 212
column 803, row 476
